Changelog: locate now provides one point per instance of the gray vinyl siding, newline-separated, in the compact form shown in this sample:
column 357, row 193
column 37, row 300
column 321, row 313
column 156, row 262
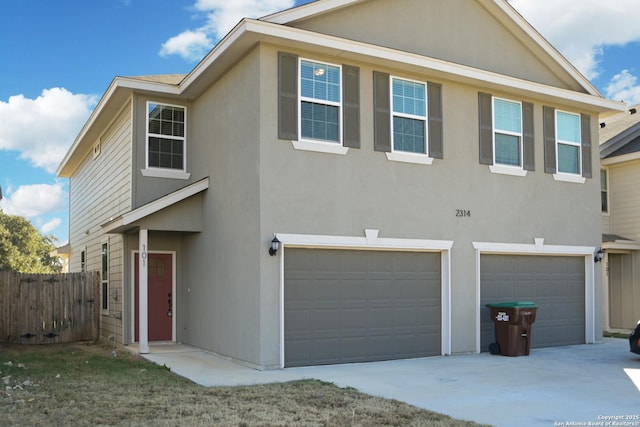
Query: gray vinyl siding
column 624, row 198
column 99, row 190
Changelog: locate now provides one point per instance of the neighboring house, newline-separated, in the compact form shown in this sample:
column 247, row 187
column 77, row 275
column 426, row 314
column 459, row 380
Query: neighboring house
column 619, row 176
column 413, row 172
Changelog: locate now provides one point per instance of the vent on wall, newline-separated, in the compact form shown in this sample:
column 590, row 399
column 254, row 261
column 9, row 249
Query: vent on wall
column 96, row 150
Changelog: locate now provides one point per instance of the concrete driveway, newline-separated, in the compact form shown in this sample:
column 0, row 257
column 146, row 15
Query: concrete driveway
column 575, row 385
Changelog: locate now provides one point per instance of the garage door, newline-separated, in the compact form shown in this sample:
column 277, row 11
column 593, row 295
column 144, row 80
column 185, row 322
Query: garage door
column 343, row 306
column 555, row 284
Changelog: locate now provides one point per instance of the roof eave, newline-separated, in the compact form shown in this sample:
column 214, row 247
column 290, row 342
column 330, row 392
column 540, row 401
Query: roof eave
column 118, row 91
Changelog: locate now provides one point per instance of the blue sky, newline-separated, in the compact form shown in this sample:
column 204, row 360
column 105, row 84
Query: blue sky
column 58, row 57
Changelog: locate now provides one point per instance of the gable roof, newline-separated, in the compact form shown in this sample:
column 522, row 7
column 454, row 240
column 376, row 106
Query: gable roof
column 500, row 9
column 250, row 32
column 620, row 135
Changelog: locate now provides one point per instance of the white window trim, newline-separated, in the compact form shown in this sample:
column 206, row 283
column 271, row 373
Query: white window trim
column 569, row 177
column 104, row 280
column 566, row 176
column 165, row 173
column 608, row 212
column 539, row 248
column 371, row 241
column 156, row 172
column 318, row 145
column 408, row 156
column 507, row 170
column 500, row 168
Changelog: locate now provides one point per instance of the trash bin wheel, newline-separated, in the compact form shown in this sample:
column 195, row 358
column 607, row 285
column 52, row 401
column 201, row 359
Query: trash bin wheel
column 494, row 348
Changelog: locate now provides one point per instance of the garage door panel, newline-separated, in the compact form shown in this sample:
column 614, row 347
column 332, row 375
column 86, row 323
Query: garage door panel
column 360, row 306
column 555, row 284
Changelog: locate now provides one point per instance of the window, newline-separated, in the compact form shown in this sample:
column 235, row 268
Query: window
column 83, row 261
column 507, row 128
column 166, row 143
column 567, row 145
column 506, row 135
column 408, row 120
column 604, row 190
column 104, row 277
column 320, row 101
column 568, row 140
column 318, row 105
column 409, row 123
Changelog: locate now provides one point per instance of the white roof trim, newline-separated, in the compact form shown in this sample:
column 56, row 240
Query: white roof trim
column 307, row 10
column 325, row 6
column 620, row 159
column 117, row 83
column 463, row 72
column 544, row 44
column 157, row 205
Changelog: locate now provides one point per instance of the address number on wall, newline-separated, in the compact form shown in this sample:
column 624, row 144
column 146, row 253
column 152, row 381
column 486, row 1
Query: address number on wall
column 461, row 213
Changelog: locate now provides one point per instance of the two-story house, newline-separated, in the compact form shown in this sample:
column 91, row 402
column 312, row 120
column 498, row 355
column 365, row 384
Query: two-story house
column 413, row 160
column 620, row 195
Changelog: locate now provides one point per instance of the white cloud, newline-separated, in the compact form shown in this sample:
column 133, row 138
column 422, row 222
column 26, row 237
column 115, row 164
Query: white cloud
column 221, row 16
column 49, row 226
column 624, row 87
column 580, row 29
column 43, row 129
column 191, row 45
column 31, row 201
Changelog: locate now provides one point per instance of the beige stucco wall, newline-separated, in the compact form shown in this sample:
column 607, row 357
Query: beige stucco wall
column 313, row 193
column 459, row 31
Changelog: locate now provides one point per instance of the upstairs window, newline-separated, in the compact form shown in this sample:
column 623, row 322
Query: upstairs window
column 604, row 191
column 318, row 104
column 507, row 128
column 506, row 133
column 320, row 101
column 409, row 103
column 166, row 143
column 567, row 145
column 569, row 141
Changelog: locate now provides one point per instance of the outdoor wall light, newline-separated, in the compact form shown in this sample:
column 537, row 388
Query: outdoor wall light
column 599, row 255
column 275, row 245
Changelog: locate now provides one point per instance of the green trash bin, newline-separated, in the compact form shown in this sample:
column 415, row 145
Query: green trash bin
column 513, row 322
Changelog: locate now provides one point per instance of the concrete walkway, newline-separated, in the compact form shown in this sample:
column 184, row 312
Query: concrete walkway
column 574, row 385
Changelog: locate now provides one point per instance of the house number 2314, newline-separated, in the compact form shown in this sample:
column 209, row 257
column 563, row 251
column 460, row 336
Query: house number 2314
column 461, row 213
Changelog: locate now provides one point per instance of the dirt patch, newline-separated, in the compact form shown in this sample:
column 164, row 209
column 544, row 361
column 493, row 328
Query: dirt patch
column 84, row 385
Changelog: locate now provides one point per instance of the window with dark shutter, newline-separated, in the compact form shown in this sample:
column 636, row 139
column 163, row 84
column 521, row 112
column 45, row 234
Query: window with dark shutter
column 351, row 106
column 288, row 96
column 436, row 148
column 485, row 120
column 382, row 112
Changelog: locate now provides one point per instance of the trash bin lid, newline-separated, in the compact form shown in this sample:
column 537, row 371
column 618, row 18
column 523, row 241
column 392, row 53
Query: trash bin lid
column 513, row 304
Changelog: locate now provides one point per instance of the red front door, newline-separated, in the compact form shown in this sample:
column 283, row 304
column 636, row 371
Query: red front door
column 160, row 297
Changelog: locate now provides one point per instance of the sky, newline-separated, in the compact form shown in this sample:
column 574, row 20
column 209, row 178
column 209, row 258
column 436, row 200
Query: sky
column 58, row 57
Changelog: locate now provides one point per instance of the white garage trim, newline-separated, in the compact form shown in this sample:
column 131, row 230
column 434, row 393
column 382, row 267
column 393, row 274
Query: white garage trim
column 539, row 248
column 371, row 241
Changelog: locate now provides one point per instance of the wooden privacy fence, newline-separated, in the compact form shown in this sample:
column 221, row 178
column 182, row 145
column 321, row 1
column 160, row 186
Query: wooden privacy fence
column 49, row 308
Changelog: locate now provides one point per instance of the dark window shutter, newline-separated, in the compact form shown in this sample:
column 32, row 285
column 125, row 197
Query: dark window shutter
column 351, row 106
column 585, row 122
column 485, row 119
column 435, row 120
column 382, row 112
column 549, row 130
column 528, row 143
column 287, row 96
